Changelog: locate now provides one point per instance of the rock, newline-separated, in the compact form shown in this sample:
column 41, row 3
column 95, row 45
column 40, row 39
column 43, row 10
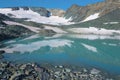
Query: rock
column 9, row 71
column 14, row 31
column 2, row 52
column 25, row 8
column 67, row 70
column 15, row 8
column 84, row 70
column 42, row 11
column 95, row 71
column 23, row 66
column 15, row 76
column 60, row 66
column 57, row 73
column 57, row 12
column 45, row 76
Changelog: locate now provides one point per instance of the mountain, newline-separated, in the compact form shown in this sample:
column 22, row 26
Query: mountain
column 83, row 13
column 101, row 18
column 24, row 21
column 107, row 21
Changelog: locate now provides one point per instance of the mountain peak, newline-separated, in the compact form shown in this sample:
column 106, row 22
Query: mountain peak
column 79, row 13
column 112, row 0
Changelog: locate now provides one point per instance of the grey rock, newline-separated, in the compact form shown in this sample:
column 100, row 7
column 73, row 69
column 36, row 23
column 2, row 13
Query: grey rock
column 42, row 11
column 2, row 52
column 67, row 70
column 95, row 71
column 57, row 12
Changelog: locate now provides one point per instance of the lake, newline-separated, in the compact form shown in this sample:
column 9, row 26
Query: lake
column 102, row 52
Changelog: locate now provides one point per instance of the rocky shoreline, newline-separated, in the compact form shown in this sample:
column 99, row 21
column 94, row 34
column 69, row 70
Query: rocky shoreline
column 33, row 71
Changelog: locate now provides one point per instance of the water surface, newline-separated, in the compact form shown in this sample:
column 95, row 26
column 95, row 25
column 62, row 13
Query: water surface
column 102, row 52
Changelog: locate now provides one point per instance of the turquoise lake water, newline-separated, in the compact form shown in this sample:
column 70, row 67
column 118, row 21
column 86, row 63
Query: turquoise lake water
column 102, row 52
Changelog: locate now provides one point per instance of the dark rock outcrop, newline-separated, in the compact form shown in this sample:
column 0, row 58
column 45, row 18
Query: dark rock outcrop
column 15, row 8
column 10, row 32
column 42, row 11
column 2, row 52
column 18, row 8
column 25, row 8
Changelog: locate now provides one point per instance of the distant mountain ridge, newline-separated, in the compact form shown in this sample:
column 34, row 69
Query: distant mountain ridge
column 102, row 18
column 43, row 11
column 79, row 13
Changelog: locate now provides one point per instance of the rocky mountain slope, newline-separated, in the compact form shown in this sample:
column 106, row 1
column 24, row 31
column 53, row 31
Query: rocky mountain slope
column 80, row 13
column 11, row 31
column 24, row 21
column 108, row 21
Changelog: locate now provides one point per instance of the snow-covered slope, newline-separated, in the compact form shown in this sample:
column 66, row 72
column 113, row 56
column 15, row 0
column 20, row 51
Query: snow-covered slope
column 93, row 30
column 34, row 16
column 91, row 17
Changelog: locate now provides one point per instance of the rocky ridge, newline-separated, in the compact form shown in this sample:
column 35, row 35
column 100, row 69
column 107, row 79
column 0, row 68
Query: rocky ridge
column 79, row 13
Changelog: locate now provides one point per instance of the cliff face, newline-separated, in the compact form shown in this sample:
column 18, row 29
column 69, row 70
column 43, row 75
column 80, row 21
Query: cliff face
column 79, row 13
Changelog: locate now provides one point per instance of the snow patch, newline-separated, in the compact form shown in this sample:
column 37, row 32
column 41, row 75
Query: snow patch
column 91, row 17
column 111, row 23
column 89, row 47
column 94, row 37
column 93, row 30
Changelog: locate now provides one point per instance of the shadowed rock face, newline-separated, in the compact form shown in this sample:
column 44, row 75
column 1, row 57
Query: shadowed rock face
column 57, row 12
column 42, row 11
column 78, row 13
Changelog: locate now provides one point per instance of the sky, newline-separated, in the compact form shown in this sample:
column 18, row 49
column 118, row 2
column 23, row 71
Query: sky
column 61, row 4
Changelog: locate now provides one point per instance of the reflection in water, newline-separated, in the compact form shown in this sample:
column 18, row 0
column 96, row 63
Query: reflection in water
column 36, row 45
column 90, row 50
